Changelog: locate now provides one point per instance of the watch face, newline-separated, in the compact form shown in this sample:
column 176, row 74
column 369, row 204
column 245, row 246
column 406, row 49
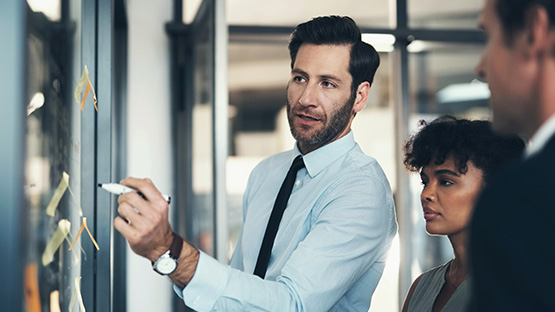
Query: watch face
column 165, row 265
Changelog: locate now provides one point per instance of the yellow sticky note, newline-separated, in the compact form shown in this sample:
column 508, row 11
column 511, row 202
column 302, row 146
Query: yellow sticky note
column 84, row 82
column 60, row 190
column 77, row 294
column 55, row 241
column 81, row 85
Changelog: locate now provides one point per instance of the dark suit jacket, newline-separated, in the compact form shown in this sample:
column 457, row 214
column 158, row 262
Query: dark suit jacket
column 512, row 238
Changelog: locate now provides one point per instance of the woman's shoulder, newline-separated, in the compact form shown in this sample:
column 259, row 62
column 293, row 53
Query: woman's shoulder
column 426, row 286
column 437, row 272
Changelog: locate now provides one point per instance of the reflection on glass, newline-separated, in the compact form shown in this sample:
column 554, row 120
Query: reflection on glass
column 440, row 74
column 444, row 14
column 52, row 149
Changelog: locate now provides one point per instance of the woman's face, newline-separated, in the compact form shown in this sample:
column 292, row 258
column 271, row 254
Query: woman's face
column 448, row 196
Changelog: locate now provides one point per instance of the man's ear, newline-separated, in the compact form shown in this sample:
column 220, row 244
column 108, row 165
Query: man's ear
column 538, row 34
column 361, row 96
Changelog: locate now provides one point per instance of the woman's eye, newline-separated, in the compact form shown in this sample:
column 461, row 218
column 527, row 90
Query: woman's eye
column 446, row 183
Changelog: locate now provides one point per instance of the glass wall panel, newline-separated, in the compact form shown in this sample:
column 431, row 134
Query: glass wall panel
column 443, row 14
column 53, row 156
column 201, row 222
column 369, row 13
column 442, row 81
column 258, row 75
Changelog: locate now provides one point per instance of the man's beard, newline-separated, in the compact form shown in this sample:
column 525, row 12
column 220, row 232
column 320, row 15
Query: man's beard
column 339, row 121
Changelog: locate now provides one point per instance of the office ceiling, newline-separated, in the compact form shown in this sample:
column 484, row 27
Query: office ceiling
column 368, row 13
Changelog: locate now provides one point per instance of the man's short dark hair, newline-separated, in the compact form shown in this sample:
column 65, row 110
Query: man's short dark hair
column 336, row 30
column 467, row 140
column 512, row 14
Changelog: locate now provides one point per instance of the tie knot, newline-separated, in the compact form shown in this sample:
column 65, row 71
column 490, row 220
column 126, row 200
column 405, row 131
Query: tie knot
column 298, row 163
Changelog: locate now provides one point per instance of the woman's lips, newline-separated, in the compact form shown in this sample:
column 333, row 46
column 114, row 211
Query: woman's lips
column 430, row 214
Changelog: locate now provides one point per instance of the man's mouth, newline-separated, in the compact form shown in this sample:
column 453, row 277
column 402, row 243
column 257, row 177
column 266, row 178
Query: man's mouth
column 305, row 117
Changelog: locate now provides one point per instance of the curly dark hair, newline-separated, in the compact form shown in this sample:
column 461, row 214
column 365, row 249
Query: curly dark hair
column 467, row 140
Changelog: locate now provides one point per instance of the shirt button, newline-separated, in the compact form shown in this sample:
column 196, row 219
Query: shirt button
column 298, row 182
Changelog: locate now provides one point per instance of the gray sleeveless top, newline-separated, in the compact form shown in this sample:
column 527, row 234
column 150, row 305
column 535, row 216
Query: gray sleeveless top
column 428, row 289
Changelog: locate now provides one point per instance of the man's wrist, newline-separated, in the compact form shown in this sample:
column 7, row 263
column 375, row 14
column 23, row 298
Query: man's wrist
column 186, row 266
column 161, row 249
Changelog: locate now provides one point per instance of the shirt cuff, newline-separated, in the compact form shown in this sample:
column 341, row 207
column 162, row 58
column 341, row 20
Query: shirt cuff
column 206, row 286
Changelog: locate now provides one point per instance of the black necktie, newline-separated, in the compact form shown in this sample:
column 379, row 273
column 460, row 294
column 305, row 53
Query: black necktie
column 275, row 218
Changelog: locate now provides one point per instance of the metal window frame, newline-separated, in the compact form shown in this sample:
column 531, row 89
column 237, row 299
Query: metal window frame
column 100, row 163
column 221, row 130
column 102, row 159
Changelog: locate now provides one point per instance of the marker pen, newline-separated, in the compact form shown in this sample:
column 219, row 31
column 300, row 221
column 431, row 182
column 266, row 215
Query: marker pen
column 119, row 189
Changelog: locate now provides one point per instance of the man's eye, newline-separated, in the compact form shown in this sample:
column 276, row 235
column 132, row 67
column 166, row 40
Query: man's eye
column 328, row 84
column 298, row 79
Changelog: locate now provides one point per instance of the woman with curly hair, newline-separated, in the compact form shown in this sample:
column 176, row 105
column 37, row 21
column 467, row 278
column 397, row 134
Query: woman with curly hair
column 455, row 158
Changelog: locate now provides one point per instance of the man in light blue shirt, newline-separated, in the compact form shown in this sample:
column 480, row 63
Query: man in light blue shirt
column 331, row 245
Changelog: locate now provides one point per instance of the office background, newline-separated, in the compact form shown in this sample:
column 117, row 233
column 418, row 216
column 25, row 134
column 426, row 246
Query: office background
column 192, row 94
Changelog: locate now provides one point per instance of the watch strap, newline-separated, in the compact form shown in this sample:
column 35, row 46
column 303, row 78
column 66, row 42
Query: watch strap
column 176, row 246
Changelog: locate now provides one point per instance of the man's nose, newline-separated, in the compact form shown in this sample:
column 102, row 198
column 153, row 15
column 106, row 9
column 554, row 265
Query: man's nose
column 309, row 95
column 480, row 71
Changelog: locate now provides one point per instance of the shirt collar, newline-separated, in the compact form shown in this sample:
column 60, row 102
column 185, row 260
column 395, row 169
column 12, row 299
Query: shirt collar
column 319, row 159
column 540, row 138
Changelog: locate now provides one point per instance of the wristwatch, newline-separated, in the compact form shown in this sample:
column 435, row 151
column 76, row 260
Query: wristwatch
column 167, row 263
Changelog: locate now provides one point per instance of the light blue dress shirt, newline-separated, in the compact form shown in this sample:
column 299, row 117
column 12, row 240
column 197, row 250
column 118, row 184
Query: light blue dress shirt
column 331, row 246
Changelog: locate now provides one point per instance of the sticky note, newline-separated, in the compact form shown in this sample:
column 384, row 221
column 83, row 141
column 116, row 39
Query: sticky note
column 60, row 190
column 84, row 226
column 84, row 82
column 81, row 85
column 55, row 241
column 77, row 294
